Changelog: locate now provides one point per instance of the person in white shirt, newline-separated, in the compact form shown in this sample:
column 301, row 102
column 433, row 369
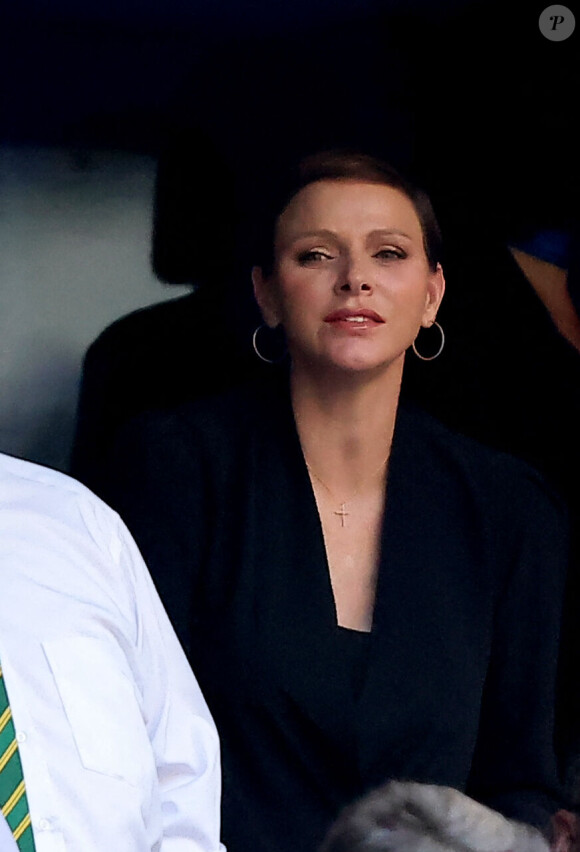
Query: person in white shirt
column 118, row 748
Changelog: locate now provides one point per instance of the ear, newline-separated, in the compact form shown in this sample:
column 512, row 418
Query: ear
column 266, row 297
column 435, row 291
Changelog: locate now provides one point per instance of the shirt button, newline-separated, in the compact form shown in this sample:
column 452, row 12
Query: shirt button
column 43, row 824
column 20, row 737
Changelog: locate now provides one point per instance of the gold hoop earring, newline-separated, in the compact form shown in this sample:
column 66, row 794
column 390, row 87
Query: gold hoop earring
column 439, row 351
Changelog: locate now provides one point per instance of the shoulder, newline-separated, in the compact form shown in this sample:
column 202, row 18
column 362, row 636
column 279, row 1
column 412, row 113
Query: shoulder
column 224, row 420
column 63, row 551
column 515, row 524
column 54, row 509
column 26, row 478
column 189, row 450
column 502, row 481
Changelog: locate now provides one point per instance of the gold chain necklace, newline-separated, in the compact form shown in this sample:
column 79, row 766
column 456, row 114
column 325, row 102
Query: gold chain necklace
column 342, row 512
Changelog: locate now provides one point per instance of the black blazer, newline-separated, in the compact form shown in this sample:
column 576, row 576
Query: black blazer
column 459, row 680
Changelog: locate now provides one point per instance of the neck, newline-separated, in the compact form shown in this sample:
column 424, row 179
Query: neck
column 345, row 424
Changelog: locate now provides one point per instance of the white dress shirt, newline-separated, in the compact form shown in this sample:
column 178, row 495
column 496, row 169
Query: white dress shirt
column 7, row 842
column 118, row 748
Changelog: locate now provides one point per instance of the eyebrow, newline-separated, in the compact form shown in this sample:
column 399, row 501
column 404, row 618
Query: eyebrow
column 390, row 232
column 324, row 232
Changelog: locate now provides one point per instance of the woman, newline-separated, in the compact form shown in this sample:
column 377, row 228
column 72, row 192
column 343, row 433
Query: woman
column 362, row 594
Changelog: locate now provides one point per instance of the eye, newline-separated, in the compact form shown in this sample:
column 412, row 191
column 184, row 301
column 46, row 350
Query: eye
column 313, row 256
column 390, row 253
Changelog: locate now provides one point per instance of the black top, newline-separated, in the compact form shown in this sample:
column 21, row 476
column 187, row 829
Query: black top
column 507, row 377
column 353, row 647
column 459, row 683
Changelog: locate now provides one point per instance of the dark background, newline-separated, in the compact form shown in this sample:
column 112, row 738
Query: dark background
column 468, row 96
column 102, row 71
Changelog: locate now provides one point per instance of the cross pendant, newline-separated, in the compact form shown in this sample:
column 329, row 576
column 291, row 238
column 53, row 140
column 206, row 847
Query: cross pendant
column 342, row 513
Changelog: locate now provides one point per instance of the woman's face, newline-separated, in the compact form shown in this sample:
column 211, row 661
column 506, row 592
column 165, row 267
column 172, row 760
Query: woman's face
column 351, row 284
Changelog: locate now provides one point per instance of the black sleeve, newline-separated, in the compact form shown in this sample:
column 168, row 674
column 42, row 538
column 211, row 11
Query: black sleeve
column 514, row 767
column 153, row 477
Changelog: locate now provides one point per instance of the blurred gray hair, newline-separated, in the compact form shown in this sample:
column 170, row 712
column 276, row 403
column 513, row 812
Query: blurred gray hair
column 412, row 817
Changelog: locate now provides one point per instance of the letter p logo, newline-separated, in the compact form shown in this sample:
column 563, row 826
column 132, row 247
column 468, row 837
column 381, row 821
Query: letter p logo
column 557, row 23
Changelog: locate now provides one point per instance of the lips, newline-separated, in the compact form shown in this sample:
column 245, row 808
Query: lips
column 354, row 317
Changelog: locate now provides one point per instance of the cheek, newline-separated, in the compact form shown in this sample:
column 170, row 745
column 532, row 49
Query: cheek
column 296, row 316
column 408, row 307
column 300, row 299
column 411, row 291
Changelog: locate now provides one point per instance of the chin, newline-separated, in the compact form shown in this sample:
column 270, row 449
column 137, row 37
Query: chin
column 348, row 361
column 361, row 368
column 360, row 363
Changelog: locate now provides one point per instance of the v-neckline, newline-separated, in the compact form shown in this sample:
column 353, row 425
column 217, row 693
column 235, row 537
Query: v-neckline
column 331, row 606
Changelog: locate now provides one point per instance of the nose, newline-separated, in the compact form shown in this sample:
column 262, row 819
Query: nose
column 353, row 279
